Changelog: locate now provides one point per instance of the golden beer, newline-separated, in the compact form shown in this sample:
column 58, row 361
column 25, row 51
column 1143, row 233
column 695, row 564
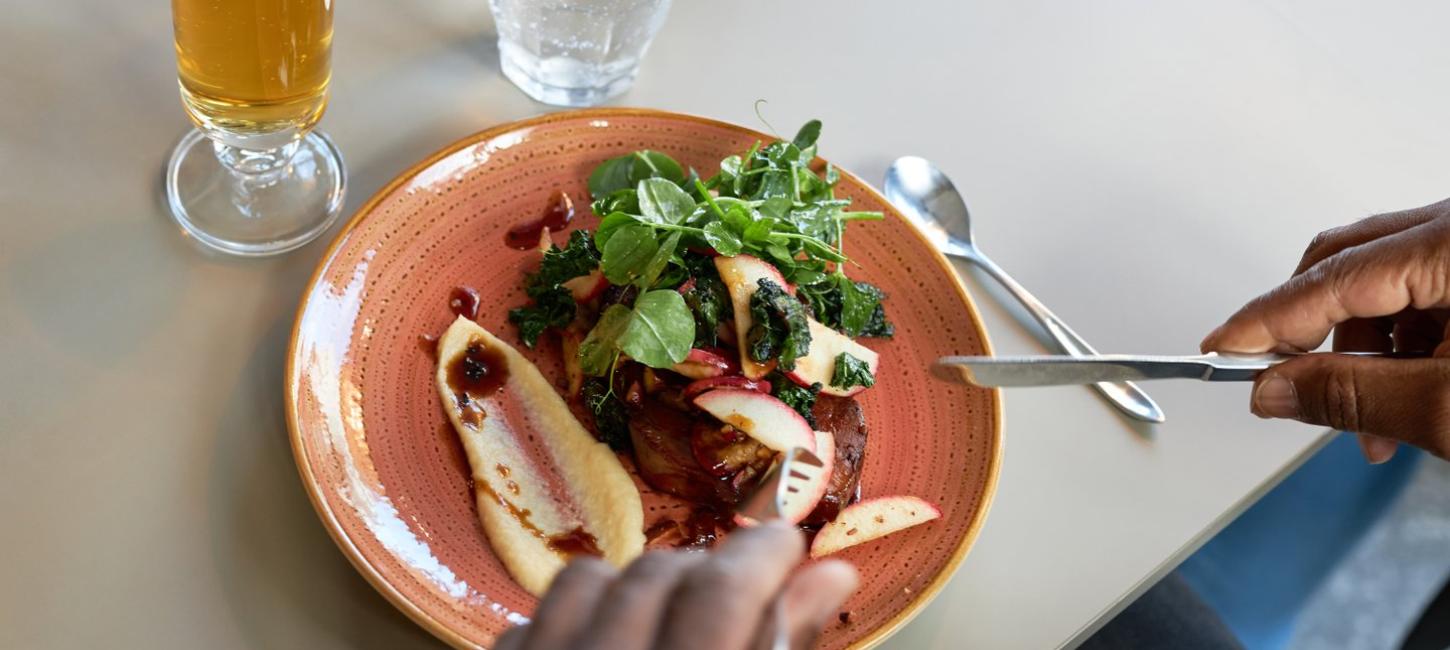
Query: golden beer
column 254, row 67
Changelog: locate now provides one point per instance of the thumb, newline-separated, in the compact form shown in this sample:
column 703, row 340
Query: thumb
column 1406, row 400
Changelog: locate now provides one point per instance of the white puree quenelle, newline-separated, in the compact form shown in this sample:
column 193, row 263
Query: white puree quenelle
column 546, row 489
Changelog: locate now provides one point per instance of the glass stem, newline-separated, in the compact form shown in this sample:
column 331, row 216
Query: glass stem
column 253, row 169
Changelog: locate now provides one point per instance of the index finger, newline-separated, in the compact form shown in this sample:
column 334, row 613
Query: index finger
column 1380, row 278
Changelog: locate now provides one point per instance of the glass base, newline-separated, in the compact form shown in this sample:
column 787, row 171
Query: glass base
column 255, row 203
column 533, row 76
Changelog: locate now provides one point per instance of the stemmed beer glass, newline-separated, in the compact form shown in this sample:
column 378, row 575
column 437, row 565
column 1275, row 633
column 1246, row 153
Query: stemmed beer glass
column 253, row 178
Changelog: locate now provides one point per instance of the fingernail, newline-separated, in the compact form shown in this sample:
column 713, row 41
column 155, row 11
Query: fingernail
column 1275, row 398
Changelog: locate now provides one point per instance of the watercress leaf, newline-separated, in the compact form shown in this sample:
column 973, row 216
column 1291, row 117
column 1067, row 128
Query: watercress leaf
column 724, row 240
column 660, row 331
column 657, row 263
column 850, row 371
column 663, row 201
column 610, row 224
column 775, row 183
column 623, row 200
column 611, row 175
column 601, row 346
column 759, row 232
column 653, row 164
column 627, row 253
column 780, row 253
column 807, row 135
column 775, row 208
column 737, row 216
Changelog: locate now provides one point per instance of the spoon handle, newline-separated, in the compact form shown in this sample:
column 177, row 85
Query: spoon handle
column 1125, row 395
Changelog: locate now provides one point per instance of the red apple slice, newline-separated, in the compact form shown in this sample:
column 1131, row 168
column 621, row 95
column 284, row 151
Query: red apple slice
column 544, row 487
column 735, row 381
column 701, row 363
column 587, row 287
column 872, row 519
column 760, row 416
column 819, row 364
column 742, row 275
column 799, row 505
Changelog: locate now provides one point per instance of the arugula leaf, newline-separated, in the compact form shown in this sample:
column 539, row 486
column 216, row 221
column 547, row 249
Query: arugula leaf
column 551, row 304
column 779, row 329
column 600, row 348
column 625, row 172
column 660, row 330
column 796, row 396
column 850, row 371
column 628, row 252
column 611, row 420
column 663, row 201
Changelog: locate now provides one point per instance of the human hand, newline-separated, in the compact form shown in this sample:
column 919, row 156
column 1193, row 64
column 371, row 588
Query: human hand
column 1381, row 285
column 723, row 599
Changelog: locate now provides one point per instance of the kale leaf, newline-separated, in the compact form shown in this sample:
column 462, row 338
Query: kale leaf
column 611, row 421
column 707, row 299
column 552, row 305
column 796, row 396
column 843, row 304
column 779, row 329
column 850, row 371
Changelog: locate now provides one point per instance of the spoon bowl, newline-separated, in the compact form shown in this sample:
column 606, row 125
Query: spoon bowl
column 929, row 199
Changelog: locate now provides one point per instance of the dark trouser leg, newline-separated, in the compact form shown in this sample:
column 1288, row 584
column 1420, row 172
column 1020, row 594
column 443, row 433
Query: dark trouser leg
column 1433, row 630
column 1170, row 615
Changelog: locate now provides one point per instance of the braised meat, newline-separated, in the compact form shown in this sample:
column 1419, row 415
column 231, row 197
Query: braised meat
column 842, row 417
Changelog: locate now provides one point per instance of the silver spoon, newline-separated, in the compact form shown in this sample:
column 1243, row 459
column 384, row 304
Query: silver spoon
column 927, row 197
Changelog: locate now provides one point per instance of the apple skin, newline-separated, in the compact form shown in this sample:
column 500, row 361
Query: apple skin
column 872, row 519
column 741, row 275
column 587, row 287
column 760, row 416
column 819, row 364
column 732, row 381
column 799, row 508
column 703, row 363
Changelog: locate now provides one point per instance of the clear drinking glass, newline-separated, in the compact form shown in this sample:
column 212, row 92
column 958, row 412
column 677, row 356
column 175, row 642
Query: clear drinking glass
column 253, row 178
column 575, row 52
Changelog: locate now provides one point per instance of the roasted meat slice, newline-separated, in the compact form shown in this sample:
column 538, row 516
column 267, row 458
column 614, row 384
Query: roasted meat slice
column 842, row 417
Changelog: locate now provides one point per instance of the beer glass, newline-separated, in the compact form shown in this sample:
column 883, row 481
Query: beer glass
column 253, row 178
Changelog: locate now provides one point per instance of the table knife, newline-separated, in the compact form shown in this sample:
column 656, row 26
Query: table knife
column 1068, row 370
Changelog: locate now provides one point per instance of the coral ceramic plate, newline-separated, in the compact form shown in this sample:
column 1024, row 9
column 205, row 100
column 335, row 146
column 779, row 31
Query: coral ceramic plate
column 389, row 478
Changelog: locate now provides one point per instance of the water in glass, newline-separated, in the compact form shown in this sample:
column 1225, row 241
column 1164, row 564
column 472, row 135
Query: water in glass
column 575, row 52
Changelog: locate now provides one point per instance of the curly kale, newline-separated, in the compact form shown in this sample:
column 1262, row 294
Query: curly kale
column 796, row 396
column 779, row 327
column 552, row 305
column 707, row 298
column 611, row 421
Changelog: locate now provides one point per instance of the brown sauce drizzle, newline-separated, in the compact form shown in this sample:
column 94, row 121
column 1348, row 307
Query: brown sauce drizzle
column 575, row 542
column 464, row 301
column 474, row 375
column 429, row 344
column 557, row 215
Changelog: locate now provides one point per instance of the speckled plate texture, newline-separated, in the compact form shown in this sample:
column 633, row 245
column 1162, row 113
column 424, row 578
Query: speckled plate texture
column 389, row 478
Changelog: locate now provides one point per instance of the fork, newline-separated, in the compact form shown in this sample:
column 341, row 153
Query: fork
column 781, row 484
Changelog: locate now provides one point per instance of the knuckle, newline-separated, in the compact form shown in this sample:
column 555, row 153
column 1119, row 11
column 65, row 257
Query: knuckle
column 1342, row 399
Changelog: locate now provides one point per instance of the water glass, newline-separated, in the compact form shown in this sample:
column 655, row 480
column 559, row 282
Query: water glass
column 575, row 52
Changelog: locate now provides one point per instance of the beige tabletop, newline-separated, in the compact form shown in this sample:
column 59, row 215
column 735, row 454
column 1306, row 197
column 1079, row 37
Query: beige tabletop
column 1144, row 166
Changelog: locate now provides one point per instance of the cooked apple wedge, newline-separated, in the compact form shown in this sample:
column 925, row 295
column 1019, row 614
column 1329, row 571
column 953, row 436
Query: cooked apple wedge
column 733, row 381
column 702, row 363
column 760, row 416
column 546, row 489
column 872, row 519
column 742, row 275
column 819, row 364
column 587, row 287
column 799, row 505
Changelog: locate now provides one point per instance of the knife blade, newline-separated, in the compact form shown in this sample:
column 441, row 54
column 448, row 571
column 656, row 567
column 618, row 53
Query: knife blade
column 1067, row 370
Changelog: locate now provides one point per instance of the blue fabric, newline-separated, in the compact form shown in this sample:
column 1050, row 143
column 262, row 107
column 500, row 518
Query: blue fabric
column 1259, row 571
